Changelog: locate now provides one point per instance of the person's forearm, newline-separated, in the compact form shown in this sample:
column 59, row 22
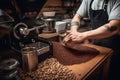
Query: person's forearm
column 104, row 31
column 75, row 23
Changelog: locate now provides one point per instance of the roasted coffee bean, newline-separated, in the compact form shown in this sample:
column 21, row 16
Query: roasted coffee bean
column 50, row 69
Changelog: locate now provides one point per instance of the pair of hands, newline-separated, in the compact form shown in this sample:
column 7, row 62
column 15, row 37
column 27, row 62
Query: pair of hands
column 73, row 36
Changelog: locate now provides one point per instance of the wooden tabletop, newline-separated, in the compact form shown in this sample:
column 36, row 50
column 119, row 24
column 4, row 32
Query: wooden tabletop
column 84, row 70
column 48, row 35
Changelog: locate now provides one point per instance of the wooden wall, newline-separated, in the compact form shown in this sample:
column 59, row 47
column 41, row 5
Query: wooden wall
column 52, row 5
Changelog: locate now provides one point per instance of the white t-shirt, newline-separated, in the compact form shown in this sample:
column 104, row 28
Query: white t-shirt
column 113, row 8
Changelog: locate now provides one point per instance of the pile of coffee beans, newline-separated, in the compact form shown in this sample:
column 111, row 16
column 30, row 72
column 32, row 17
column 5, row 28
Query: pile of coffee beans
column 50, row 69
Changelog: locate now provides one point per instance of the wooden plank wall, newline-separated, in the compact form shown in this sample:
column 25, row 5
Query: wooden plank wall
column 52, row 5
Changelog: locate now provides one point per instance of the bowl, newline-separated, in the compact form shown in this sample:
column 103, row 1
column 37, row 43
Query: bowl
column 49, row 14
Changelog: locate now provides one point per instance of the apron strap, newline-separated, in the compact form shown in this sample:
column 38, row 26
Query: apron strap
column 105, row 4
column 91, row 4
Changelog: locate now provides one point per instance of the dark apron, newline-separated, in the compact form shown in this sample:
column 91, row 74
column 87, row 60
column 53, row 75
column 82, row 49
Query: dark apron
column 99, row 18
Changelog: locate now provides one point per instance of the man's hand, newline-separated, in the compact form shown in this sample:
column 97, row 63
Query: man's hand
column 67, row 37
column 74, row 36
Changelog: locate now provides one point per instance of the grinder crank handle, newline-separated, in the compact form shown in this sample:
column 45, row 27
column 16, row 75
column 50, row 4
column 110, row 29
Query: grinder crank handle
column 37, row 27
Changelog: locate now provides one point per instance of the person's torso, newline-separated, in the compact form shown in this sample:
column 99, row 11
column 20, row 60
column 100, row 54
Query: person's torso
column 97, row 4
column 99, row 17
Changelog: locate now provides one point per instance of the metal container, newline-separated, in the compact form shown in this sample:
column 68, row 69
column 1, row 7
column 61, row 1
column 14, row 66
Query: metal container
column 50, row 25
column 60, row 26
column 29, row 59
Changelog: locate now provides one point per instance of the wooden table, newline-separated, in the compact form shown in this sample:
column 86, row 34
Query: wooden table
column 96, row 68
column 89, row 69
column 92, row 67
column 50, row 36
